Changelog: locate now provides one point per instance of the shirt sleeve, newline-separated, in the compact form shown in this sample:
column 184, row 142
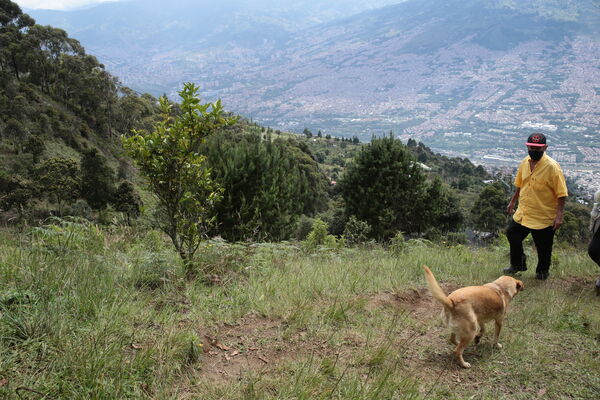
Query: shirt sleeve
column 560, row 186
column 519, row 177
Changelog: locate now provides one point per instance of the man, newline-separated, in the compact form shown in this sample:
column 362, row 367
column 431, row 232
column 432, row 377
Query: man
column 541, row 191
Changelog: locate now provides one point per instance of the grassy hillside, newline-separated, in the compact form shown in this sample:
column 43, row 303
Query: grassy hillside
column 91, row 313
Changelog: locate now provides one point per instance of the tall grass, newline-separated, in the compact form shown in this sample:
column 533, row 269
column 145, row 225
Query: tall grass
column 95, row 313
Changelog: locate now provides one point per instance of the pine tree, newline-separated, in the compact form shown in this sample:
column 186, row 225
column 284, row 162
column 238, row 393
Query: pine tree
column 267, row 186
column 384, row 186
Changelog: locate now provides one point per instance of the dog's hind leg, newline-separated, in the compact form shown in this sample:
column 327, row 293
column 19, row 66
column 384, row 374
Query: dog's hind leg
column 466, row 334
column 460, row 348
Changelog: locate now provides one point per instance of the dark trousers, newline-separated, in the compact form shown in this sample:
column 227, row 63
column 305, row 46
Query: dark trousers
column 594, row 249
column 543, row 239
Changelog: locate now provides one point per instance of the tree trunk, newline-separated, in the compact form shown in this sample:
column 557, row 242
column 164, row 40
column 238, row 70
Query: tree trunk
column 15, row 66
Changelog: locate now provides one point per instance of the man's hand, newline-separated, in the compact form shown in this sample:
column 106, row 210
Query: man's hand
column 510, row 209
column 558, row 221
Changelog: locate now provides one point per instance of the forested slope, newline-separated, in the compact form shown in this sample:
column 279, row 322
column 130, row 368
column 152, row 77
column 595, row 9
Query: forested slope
column 61, row 115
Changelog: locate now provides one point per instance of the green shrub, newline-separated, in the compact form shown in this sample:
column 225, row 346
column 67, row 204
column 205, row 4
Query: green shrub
column 153, row 271
column 217, row 258
column 63, row 235
column 356, row 231
column 154, row 240
column 318, row 233
column 319, row 236
column 303, row 227
column 106, row 216
column 397, row 243
column 80, row 209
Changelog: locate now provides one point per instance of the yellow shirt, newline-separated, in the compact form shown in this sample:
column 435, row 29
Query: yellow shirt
column 540, row 190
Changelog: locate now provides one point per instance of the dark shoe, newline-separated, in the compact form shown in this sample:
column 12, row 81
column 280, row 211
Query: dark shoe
column 542, row 276
column 514, row 270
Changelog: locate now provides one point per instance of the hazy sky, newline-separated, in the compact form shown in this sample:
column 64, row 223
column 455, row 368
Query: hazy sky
column 57, row 4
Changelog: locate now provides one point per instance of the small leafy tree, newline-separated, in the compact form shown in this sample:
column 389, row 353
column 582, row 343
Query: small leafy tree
column 177, row 173
column 575, row 226
column 488, row 211
column 59, row 179
column 442, row 212
column 36, row 146
column 127, row 201
column 569, row 231
column 97, row 179
column 398, row 242
column 355, row 231
column 318, row 236
column 15, row 192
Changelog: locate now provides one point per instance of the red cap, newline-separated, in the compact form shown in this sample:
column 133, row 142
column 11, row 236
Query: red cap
column 536, row 139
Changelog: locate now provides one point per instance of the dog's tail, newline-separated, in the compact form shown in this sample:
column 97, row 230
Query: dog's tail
column 436, row 290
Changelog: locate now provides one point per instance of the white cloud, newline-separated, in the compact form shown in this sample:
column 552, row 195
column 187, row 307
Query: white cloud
column 57, row 4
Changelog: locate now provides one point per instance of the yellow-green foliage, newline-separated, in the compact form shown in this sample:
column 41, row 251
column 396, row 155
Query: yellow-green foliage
column 169, row 157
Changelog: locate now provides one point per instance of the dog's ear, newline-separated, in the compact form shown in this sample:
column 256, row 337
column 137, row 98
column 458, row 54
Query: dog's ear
column 520, row 285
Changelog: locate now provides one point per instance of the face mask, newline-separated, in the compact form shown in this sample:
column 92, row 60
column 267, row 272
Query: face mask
column 535, row 155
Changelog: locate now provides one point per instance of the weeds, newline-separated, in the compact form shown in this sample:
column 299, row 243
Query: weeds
column 89, row 313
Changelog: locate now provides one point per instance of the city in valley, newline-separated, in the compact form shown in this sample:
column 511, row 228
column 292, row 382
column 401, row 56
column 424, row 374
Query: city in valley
column 468, row 79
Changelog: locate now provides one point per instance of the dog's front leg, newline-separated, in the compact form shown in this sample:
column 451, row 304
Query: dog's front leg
column 453, row 338
column 498, row 325
column 480, row 334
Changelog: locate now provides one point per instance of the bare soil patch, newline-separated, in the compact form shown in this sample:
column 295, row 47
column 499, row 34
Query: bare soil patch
column 253, row 343
column 572, row 284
